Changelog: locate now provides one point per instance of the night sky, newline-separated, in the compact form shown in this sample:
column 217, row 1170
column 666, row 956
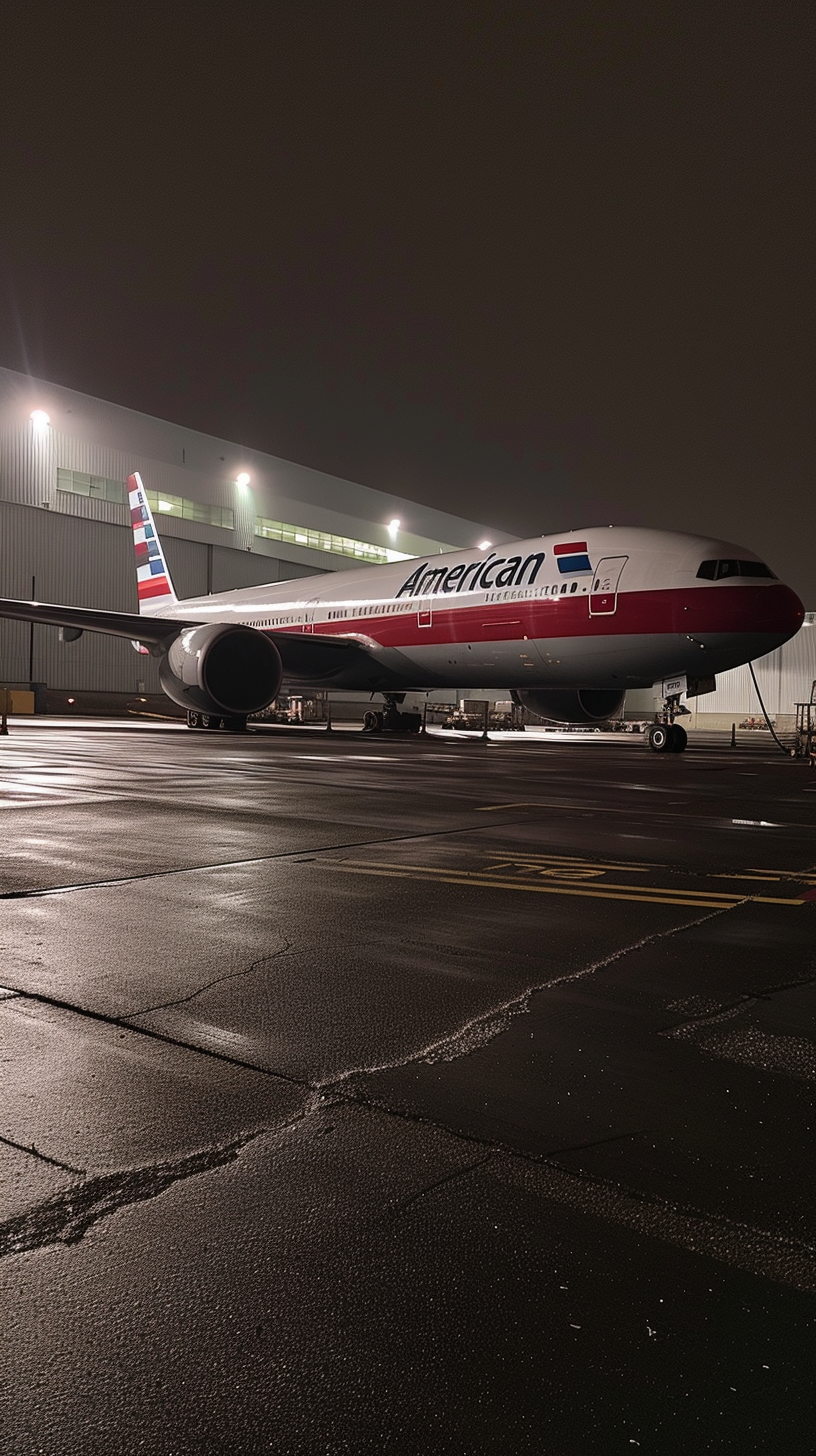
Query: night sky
column 541, row 265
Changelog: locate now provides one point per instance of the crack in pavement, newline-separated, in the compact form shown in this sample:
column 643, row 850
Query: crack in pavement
column 452, row 1177
column 479, row 1030
column 734, row 1008
column 66, row 1217
column 218, row 981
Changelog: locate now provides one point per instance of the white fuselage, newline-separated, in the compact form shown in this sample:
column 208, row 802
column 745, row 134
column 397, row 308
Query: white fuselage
column 611, row 607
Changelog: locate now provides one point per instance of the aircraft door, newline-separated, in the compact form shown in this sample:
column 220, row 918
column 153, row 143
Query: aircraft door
column 309, row 614
column 603, row 596
column 425, row 613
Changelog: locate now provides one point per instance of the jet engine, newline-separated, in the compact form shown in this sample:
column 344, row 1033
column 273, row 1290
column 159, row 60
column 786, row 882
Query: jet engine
column 582, row 705
column 221, row 668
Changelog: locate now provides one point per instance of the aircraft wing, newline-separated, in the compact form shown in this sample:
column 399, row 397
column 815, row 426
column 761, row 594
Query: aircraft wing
column 92, row 619
column 309, row 659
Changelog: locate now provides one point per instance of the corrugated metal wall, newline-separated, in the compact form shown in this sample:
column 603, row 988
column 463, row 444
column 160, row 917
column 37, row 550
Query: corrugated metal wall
column 90, row 563
column 785, row 678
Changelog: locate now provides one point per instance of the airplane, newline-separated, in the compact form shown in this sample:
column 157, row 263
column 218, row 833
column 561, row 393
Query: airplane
column 567, row 623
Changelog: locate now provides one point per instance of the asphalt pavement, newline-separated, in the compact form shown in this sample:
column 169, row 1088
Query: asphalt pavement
column 412, row 1096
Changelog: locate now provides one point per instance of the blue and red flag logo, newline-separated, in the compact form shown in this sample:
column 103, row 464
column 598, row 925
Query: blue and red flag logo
column 572, row 558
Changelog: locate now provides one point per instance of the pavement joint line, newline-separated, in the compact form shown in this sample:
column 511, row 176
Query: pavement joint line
column 684, row 1226
column 34, row 1152
column 123, row 1023
column 286, row 854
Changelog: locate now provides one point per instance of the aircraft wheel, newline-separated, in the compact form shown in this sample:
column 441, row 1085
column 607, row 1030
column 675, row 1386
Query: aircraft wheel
column 678, row 738
column 371, row 723
column 660, row 738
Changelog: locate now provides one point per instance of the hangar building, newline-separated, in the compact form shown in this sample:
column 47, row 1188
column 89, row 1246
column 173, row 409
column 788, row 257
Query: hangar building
column 228, row 517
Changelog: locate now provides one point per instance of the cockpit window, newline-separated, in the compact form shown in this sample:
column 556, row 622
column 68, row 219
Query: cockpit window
column 716, row 570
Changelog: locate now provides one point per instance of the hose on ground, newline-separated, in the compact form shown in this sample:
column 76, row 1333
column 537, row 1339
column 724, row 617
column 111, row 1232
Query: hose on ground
column 779, row 745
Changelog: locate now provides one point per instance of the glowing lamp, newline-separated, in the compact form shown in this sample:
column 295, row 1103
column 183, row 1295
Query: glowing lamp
column 484, row 545
column 242, row 480
column 393, row 527
column 40, row 420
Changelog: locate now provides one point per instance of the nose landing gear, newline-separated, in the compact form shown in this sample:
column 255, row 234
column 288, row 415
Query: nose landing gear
column 668, row 736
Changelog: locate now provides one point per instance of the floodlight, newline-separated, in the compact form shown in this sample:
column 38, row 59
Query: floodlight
column 40, row 420
column 242, row 480
column 393, row 527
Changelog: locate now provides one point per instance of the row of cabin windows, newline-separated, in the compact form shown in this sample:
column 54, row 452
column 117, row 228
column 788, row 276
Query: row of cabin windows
column 383, row 609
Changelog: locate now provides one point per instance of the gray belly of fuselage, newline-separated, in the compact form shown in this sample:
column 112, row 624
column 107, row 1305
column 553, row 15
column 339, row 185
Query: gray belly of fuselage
column 634, row 660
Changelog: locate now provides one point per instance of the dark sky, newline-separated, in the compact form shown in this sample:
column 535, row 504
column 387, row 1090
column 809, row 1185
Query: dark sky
column 542, row 265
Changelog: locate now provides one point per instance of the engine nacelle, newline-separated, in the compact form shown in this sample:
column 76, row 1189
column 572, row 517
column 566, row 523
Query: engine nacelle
column 221, row 668
column 581, row 705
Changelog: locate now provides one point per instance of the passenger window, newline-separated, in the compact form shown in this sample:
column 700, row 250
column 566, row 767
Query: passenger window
column 574, row 587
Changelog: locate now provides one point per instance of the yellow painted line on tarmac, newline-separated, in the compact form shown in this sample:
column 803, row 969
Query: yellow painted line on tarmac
column 473, row 882
column 568, row 862
column 525, row 804
column 641, row 894
column 766, row 879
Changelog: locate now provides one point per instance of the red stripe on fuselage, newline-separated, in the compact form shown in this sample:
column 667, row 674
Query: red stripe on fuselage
column 695, row 611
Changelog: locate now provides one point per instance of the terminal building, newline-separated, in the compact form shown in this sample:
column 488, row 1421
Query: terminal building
column 229, row 517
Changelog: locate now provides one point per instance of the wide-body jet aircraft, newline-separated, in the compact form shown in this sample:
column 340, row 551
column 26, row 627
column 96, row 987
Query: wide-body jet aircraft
column 567, row 623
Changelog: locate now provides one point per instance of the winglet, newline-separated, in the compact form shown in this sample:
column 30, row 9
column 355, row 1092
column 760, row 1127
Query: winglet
column 154, row 584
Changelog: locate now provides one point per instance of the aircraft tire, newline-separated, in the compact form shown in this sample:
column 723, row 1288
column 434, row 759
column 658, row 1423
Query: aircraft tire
column 659, row 738
column 678, row 738
column 372, row 722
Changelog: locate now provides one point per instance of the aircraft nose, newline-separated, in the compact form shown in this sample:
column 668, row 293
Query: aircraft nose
column 776, row 614
column 788, row 611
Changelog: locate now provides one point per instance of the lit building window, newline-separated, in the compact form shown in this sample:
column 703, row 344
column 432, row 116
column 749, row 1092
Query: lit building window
column 325, row 541
column 187, row 510
column 98, row 487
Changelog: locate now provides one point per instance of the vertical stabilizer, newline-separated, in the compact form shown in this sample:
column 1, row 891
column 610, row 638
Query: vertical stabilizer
column 154, row 585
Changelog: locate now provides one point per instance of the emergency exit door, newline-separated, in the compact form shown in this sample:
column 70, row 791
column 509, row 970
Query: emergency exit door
column 603, row 596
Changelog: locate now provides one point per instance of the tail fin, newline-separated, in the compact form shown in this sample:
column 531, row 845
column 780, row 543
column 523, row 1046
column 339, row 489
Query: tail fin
column 154, row 585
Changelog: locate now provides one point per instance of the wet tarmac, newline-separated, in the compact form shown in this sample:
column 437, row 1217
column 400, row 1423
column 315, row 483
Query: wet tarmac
column 369, row 1095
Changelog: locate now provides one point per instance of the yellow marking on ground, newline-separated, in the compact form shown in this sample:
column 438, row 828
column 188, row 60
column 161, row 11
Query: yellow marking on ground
column 492, row 808
column 474, row 882
column 785, row 874
column 570, row 862
column 642, row 892
column 767, row 879
column 775, row 900
column 531, row 857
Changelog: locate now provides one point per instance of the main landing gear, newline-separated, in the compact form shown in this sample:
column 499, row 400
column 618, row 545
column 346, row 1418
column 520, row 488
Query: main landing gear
column 389, row 719
column 668, row 736
column 233, row 723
